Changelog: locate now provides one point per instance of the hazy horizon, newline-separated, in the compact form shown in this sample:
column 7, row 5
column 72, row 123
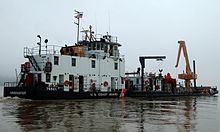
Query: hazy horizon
column 144, row 27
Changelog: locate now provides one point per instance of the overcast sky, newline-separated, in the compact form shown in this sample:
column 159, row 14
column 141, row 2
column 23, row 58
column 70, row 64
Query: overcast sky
column 143, row 27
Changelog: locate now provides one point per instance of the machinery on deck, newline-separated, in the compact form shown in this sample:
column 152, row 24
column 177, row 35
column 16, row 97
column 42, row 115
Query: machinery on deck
column 189, row 75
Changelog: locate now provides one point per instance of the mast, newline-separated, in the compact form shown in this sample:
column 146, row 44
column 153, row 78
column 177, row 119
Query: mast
column 78, row 16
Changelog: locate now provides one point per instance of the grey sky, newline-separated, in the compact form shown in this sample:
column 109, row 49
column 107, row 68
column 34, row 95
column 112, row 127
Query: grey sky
column 143, row 27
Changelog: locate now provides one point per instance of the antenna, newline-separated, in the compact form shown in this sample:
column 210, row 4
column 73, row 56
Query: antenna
column 96, row 27
column 39, row 43
column 109, row 27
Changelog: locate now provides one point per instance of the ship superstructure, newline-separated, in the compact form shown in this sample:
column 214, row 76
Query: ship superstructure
column 87, row 64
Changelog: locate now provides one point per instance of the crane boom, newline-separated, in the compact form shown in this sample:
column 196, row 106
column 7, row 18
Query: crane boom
column 188, row 75
column 182, row 46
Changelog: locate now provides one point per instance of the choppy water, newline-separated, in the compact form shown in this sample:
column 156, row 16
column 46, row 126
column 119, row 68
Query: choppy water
column 200, row 114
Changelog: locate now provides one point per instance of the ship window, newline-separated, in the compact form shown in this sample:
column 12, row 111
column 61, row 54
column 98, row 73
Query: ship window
column 111, row 50
column 56, row 60
column 98, row 46
column 94, row 46
column 89, row 47
column 93, row 63
column 54, row 78
column 105, row 48
column 116, row 66
column 47, row 77
column 102, row 46
column 73, row 61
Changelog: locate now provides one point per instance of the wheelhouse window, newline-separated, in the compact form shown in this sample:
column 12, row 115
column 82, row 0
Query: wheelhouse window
column 102, row 46
column 47, row 77
column 89, row 46
column 56, row 60
column 105, row 48
column 98, row 46
column 93, row 63
column 111, row 50
column 116, row 66
column 94, row 47
column 73, row 61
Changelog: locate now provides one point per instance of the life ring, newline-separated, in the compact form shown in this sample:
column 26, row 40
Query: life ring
column 93, row 87
column 146, row 81
column 105, row 83
column 66, row 83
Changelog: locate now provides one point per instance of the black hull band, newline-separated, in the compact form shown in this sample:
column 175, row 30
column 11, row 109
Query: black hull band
column 37, row 93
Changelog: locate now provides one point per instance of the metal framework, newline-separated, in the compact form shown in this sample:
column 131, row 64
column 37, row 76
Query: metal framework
column 142, row 61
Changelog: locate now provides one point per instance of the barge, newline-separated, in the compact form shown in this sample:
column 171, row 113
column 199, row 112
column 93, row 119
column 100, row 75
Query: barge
column 153, row 85
column 162, row 86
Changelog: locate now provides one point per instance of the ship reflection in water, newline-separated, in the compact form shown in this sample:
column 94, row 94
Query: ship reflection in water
column 128, row 114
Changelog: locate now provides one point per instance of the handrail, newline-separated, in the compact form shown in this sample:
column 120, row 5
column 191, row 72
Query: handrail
column 10, row 84
column 98, row 37
column 50, row 49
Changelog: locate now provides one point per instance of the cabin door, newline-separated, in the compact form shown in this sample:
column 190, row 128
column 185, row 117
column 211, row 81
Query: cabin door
column 114, row 83
column 76, row 84
column 36, row 79
column 71, row 80
column 81, row 83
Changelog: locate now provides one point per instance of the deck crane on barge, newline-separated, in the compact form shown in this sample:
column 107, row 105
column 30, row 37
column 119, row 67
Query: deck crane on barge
column 189, row 75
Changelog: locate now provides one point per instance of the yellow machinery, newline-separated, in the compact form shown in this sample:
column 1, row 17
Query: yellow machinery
column 189, row 75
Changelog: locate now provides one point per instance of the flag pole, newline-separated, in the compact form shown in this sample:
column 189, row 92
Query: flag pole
column 78, row 31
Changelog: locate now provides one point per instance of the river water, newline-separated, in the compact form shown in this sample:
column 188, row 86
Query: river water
column 199, row 114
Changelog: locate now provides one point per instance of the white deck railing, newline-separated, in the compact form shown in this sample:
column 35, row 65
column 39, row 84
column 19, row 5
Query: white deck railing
column 50, row 49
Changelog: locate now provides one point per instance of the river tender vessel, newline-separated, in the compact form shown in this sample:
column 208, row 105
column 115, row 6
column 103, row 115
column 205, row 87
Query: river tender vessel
column 92, row 68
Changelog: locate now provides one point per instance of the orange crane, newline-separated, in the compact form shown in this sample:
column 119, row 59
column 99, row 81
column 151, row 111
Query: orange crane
column 189, row 75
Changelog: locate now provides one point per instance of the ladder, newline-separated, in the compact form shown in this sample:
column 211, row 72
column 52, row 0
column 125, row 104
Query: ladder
column 34, row 63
